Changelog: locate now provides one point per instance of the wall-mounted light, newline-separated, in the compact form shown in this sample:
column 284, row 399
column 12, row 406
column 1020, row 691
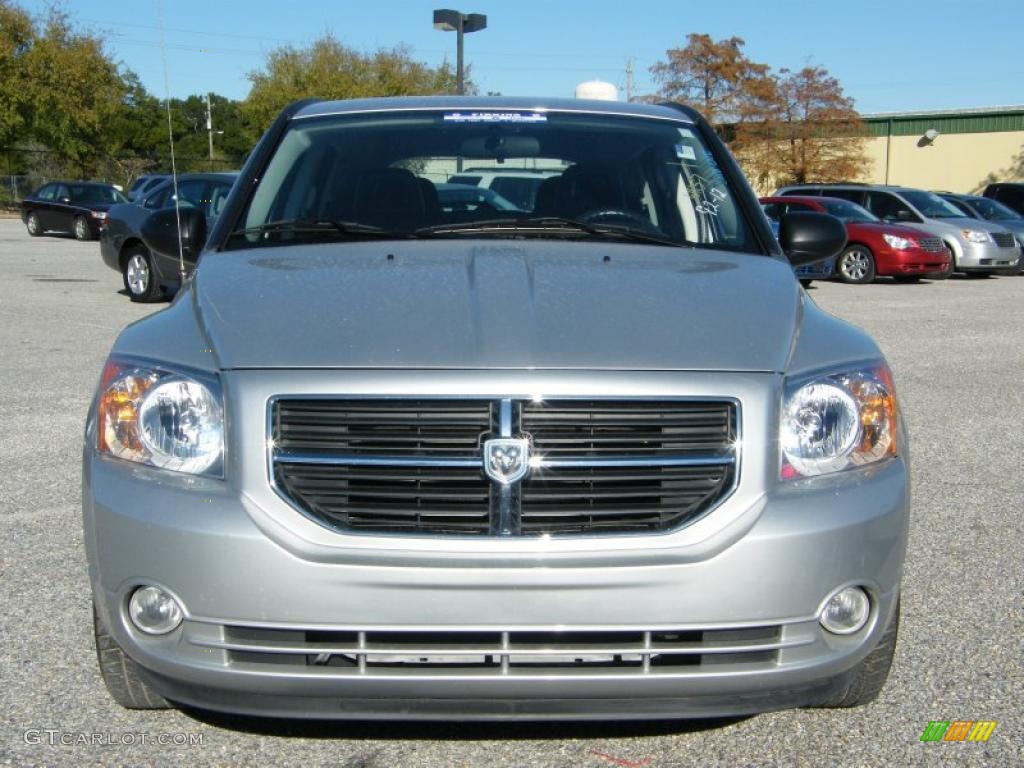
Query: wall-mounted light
column 929, row 136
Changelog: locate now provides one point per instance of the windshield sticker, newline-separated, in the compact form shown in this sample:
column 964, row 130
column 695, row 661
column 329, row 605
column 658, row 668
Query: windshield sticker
column 495, row 117
column 685, row 152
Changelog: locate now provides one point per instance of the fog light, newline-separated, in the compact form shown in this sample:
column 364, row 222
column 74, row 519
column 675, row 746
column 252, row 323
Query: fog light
column 154, row 611
column 846, row 611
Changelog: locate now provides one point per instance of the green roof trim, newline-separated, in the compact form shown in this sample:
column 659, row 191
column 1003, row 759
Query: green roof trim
column 965, row 121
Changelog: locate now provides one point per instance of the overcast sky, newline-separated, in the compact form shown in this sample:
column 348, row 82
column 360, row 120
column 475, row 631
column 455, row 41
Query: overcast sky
column 889, row 56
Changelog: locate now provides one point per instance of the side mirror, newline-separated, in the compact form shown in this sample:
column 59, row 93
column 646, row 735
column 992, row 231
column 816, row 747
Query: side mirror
column 65, row 200
column 161, row 233
column 809, row 237
column 905, row 215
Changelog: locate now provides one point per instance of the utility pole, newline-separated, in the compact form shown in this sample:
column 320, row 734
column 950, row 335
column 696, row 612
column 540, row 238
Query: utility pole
column 629, row 79
column 209, row 127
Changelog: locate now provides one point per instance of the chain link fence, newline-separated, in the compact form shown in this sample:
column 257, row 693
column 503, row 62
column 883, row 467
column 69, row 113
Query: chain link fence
column 26, row 169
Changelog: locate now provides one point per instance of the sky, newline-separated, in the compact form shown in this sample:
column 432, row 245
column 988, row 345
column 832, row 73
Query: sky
column 889, row 56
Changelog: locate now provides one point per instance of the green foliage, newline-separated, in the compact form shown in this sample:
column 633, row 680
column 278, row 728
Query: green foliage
column 17, row 33
column 328, row 69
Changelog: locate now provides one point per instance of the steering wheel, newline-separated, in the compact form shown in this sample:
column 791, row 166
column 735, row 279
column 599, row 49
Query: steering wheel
column 599, row 214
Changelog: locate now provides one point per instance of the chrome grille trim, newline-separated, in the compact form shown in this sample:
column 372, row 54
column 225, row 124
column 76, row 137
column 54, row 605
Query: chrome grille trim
column 501, row 651
column 507, row 503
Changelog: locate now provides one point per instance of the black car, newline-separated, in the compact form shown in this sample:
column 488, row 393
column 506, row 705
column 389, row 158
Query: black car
column 79, row 207
column 149, row 276
column 1010, row 194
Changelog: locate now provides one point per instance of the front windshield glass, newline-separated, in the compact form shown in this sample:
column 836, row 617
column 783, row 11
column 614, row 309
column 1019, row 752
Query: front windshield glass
column 95, row 193
column 931, row 206
column 993, row 210
column 588, row 176
column 848, row 211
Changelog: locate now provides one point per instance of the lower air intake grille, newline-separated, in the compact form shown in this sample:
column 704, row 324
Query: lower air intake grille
column 563, row 652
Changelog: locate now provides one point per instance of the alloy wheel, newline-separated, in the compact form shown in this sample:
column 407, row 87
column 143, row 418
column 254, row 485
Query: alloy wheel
column 137, row 273
column 81, row 229
column 855, row 265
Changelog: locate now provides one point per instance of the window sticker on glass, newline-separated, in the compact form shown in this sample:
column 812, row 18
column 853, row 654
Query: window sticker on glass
column 495, row 117
column 685, row 152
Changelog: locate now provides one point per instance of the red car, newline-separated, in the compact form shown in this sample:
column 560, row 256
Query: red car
column 874, row 248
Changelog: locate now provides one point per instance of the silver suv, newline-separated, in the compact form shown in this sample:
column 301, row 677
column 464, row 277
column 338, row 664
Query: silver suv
column 978, row 247
column 602, row 459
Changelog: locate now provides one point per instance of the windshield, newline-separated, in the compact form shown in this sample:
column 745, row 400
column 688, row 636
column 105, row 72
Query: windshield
column 592, row 176
column 848, row 211
column 931, row 206
column 91, row 193
column 992, row 210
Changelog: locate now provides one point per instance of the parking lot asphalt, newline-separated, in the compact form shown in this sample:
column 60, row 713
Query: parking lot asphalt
column 957, row 350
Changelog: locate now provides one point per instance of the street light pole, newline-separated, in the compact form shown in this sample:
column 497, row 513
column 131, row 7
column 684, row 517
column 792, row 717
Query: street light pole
column 209, row 127
column 462, row 24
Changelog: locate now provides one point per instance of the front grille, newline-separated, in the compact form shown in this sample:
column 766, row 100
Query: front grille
column 1004, row 239
column 416, row 466
column 569, row 652
column 933, row 244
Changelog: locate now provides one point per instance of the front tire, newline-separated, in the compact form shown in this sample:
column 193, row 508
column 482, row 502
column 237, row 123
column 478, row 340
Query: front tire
column 137, row 273
column 33, row 225
column 856, row 265
column 870, row 675
column 806, row 283
column 82, row 231
column 120, row 674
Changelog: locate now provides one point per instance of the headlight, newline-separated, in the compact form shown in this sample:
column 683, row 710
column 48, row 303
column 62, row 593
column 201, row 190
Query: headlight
column 838, row 421
column 161, row 417
column 99, row 214
column 974, row 236
column 899, row 243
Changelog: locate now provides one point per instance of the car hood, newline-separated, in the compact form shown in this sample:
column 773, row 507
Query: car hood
column 882, row 228
column 487, row 304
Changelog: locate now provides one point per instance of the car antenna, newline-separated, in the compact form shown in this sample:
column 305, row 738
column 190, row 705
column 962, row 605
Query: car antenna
column 170, row 139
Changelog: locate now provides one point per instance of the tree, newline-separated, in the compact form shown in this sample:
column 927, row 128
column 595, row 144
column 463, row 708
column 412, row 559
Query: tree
column 712, row 76
column 330, row 70
column 74, row 89
column 803, row 128
column 17, row 33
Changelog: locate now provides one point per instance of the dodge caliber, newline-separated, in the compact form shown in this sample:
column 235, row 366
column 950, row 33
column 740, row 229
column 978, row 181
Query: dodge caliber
column 602, row 458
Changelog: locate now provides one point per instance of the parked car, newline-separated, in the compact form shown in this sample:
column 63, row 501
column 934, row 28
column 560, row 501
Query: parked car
column 149, row 275
column 1009, row 193
column 979, row 248
column 78, row 207
column 145, row 184
column 989, row 209
column 519, row 186
column 461, row 199
column 874, row 248
column 604, row 461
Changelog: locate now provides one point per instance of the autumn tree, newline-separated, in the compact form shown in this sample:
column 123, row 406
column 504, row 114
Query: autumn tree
column 803, row 129
column 330, row 70
column 713, row 76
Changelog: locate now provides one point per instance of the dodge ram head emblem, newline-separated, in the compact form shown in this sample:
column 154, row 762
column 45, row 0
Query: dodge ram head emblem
column 507, row 459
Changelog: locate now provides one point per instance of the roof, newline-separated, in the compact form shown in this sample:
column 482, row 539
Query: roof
column 977, row 120
column 496, row 103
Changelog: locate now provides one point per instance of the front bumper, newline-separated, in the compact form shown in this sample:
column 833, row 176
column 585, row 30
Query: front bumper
column 785, row 553
column 986, row 257
column 915, row 261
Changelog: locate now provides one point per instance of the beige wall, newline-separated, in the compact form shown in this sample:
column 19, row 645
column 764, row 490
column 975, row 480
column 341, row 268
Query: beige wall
column 957, row 162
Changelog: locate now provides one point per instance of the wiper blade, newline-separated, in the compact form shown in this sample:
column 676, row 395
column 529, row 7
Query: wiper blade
column 315, row 225
column 549, row 223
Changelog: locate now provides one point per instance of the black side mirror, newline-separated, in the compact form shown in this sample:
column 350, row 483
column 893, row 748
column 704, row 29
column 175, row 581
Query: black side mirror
column 809, row 237
column 905, row 215
column 65, row 200
column 160, row 231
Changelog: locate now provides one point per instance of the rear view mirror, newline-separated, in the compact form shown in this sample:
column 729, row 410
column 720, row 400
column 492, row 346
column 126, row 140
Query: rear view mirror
column 161, row 232
column 809, row 237
column 498, row 146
